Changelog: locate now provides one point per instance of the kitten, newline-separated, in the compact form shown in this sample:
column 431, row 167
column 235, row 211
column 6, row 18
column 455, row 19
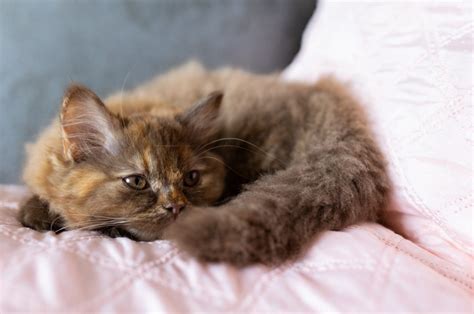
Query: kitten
column 232, row 166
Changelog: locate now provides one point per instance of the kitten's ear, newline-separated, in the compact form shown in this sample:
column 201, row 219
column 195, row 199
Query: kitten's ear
column 88, row 127
column 201, row 117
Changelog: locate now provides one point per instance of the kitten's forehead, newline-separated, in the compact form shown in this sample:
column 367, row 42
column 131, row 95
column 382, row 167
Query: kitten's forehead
column 157, row 146
column 148, row 129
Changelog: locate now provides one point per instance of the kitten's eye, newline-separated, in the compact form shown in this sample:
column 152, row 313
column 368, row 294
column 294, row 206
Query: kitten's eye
column 136, row 182
column 191, row 178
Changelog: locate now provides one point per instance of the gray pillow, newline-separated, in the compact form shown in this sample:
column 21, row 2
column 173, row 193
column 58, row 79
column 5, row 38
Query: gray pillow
column 44, row 45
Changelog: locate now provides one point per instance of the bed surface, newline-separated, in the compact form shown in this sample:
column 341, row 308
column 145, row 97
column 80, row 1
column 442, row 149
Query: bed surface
column 363, row 268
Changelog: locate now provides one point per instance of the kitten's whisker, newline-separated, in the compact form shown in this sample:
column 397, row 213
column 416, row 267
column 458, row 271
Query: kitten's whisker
column 259, row 149
column 94, row 226
column 210, row 143
column 225, row 165
column 240, row 147
column 52, row 223
column 222, row 146
column 226, row 139
column 62, row 229
column 95, row 216
column 122, row 91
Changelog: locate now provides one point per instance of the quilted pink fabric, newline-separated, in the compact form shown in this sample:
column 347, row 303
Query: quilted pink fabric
column 410, row 63
column 363, row 268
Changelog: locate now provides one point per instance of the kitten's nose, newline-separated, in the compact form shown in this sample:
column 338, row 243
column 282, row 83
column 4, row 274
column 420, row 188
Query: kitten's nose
column 174, row 208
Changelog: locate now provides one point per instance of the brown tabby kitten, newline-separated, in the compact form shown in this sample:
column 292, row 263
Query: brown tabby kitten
column 251, row 172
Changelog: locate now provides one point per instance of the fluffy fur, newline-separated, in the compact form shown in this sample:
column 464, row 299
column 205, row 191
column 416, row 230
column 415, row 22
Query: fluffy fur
column 279, row 163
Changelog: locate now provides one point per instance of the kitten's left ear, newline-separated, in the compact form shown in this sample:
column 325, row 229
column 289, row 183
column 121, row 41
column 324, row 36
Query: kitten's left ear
column 201, row 118
column 88, row 127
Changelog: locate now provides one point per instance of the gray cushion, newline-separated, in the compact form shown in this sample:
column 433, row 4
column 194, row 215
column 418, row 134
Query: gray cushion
column 44, row 45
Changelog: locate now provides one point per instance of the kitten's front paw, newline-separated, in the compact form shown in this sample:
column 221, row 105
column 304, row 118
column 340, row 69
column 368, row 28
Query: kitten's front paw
column 194, row 232
column 211, row 235
column 35, row 214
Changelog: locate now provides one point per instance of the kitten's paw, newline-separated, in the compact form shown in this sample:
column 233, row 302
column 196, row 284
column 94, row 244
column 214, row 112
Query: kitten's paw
column 195, row 233
column 35, row 214
column 211, row 235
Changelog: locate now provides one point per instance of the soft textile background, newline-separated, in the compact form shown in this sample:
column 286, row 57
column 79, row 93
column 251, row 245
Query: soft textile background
column 113, row 44
column 411, row 63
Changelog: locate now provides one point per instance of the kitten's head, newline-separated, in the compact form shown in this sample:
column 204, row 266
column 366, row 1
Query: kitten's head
column 136, row 173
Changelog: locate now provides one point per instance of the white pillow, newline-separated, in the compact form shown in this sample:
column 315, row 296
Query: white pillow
column 410, row 63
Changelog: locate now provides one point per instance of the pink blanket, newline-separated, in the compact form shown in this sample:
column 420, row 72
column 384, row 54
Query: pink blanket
column 363, row 268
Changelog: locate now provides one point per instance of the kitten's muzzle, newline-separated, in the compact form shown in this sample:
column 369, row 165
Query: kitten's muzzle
column 174, row 208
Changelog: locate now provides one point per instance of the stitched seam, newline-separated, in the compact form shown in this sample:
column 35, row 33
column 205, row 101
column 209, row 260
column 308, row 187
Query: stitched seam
column 331, row 267
column 385, row 271
column 462, row 202
column 128, row 278
column 451, row 110
column 107, row 264
column 412, row 197
column 399, row 239
column 104, row 262
column 264, row 283
column 452, row 97
column 187, row 291
column 258, row 289
column 432, row 265
column 65, row 245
